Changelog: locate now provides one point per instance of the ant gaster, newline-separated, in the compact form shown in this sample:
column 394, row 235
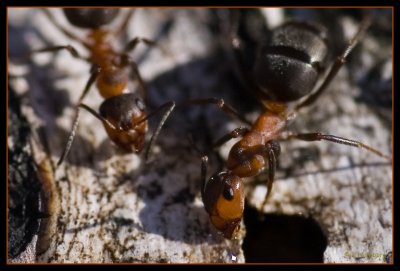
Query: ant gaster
column 286, row 70
column 122, row 113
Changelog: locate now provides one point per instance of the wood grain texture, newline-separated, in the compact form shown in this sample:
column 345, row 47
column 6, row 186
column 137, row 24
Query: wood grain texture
column 112, row 207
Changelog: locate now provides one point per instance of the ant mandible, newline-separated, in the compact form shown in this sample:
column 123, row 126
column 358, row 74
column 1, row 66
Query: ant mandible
column 286, row 70
column 122, row 112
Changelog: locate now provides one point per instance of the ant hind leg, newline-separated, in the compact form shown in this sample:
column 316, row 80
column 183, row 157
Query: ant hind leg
column 334, row 139
column 124, row 23
column 340, row 60
column 69, row 34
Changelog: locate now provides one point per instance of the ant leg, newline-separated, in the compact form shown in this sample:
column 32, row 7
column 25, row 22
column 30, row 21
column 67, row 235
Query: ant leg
column 124, row 23
column 134, row 42
column 75, row 126
column 271, row 151
column 93, row 76
column 220, row 103
column 125, row 61
column 62, row 29
column 238, row 132
column 70, row 139
column 72, row 134
column 168, row 107
column 334, row 139
column 95, row 72
column 271, row 172
column 142, row 84
column 97, row 115
column 204, row 163
column 338, row 63
column 53, row 49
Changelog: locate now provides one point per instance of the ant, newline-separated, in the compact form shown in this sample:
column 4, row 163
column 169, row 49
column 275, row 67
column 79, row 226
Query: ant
column 284, row 79
column 122, row 112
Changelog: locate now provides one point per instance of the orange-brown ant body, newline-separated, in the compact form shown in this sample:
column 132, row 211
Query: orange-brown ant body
column 286, row 70
column 123, row 112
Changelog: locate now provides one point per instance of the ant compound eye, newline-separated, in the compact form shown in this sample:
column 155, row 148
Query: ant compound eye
column 228, row 192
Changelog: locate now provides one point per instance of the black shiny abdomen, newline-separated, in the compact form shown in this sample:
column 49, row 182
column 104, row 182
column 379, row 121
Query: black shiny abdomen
column 90, row 17
column 288, row 67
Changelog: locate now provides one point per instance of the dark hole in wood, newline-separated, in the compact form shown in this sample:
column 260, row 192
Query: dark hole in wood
column 282, row 238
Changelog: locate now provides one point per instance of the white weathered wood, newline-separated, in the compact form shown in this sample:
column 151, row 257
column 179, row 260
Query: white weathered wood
column 113, row 208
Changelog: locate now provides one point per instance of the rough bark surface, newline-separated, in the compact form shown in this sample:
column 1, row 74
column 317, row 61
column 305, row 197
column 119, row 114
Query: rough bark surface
column 105, row 206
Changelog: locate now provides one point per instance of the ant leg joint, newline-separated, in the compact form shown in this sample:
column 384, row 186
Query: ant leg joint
column 220, row 103
column 73, row 51
column 238, row 132
column 95, row 69
column 134, row 42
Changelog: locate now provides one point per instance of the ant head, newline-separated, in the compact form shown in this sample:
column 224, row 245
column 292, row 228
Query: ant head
column 125, row 121
column 223, row 198
column 289, row 65
column 90, row 17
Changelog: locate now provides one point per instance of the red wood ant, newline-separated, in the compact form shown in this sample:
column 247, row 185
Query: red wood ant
column 286, row 70
column 122, row 113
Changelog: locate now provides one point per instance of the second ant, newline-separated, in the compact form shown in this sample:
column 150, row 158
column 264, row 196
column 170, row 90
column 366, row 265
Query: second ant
column 122, row 113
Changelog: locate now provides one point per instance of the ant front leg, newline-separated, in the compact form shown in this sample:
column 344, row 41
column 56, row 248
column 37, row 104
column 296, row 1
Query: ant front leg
column 70, row 139
column 75, row 126
column 95, row 72
column 271, row 151
column 168, row 107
